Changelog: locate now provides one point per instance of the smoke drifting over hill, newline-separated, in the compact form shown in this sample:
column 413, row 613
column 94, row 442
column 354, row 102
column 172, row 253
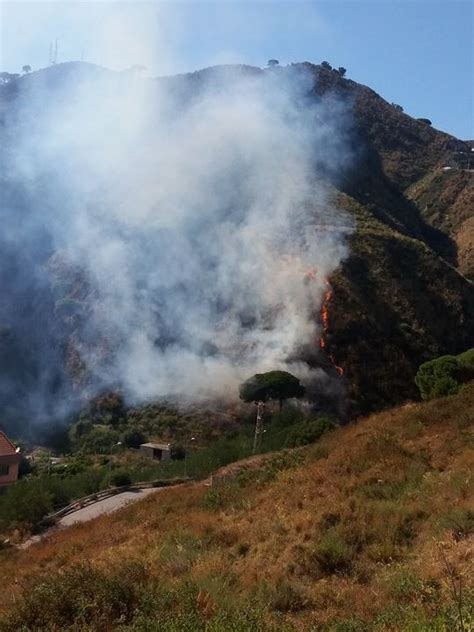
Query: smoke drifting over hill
column 175, row 222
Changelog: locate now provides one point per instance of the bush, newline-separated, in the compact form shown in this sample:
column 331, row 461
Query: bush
column 25, row 504
column 439, row 377
column 310, row 431
column 287, row 597
column 133, row 438
column 460, row 522
column 445, row 386
column 332, row 555
column 98, row 441
column 130, row 598
column 289, row 416
column 212, row 499
column 466, row 361
column 444, row 375
column 79, row 597
column 120, row 478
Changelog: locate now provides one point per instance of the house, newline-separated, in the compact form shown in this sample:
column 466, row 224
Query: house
column 9, row 462
column 157, row 451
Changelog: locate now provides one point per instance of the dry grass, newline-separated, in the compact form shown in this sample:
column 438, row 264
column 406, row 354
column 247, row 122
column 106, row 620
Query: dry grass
column 373, row 524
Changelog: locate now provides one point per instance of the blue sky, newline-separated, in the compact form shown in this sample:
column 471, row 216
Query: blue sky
column 418, row 53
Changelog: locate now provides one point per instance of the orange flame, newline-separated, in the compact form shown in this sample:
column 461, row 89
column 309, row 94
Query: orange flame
column 325, row 322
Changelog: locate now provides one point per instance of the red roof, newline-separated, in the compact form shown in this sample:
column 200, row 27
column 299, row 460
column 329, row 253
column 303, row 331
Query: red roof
column 6, row 446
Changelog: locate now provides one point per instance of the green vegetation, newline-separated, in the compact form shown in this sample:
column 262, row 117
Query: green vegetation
column 27, row 502
column 129, row 598
column 101, row 461
column 120, row 478
column 445, row 375
column 277, row 385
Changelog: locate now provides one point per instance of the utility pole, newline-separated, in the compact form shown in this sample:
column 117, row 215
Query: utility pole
column 109, row 469
column 259, row 424
column 186, row 459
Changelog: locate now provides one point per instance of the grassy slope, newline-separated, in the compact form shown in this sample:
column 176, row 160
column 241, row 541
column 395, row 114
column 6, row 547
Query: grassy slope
column 366, row 525
column 446, row 200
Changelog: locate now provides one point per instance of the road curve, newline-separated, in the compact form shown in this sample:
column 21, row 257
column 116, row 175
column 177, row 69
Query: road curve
column 99, row 508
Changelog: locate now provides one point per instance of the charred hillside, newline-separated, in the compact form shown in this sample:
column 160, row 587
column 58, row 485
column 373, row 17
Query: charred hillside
column 402, row 295
column 405, row 292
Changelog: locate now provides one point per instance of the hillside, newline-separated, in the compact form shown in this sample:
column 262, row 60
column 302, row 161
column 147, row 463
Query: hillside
column 369, row 529
column 404, row 294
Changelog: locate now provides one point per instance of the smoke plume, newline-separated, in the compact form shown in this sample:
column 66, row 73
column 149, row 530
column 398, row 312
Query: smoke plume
column 168, row 229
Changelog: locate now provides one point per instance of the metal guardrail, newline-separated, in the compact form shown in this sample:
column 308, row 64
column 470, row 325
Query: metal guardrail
column 80, row 503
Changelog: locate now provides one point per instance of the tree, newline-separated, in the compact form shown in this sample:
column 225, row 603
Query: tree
column 342, row 71
column 7, row 77
column 26, row 68
column 439, row 377
column 133, row 438
column 273, row 62
column 276, row 385
column 397, row 107
column 326, row 64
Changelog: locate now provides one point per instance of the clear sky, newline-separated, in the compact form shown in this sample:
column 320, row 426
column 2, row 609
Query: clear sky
column 418, row 53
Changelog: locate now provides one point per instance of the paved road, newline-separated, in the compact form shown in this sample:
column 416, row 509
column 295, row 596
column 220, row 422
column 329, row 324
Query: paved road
column 101, row 507
column 105, row 506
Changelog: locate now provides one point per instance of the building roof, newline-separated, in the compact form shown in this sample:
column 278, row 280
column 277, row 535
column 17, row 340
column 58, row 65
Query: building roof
column 6, row 446
column 156, row 446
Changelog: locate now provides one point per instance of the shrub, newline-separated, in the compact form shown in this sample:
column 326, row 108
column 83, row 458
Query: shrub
column 289, row 416
column 460, row 522
column 120, row 478
column 243, row 548
column 212, row 499
column 25, row 504
column 133, row 438
column 397, row 107
column 310, row 431
column 82, row 596
column 466, row 361
column 439, row 377
column 332, row 555
column 287, row 597
column 98, row 441
column 407, row 587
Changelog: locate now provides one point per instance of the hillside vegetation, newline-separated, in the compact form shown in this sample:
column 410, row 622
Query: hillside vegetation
column 370, row 528
column 404, row 295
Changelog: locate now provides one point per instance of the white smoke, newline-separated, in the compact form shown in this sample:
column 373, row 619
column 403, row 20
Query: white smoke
column 193, row 206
